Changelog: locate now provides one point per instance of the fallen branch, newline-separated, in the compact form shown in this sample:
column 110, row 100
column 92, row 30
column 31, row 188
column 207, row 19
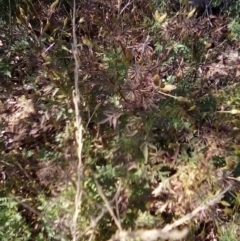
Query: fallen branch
column 170, row 231
column 79, row 131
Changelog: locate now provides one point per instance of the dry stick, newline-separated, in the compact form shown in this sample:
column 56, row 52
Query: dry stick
column 79, row 132
column 36, row 212
column 124, row 8
column 25, row 205
column 194, row 213
column 93, row 224
column 95, row 221
column 108, row 206
column 169, row 231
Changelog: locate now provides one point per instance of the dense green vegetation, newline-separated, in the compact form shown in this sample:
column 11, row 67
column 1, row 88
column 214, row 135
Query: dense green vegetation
column 119, row 120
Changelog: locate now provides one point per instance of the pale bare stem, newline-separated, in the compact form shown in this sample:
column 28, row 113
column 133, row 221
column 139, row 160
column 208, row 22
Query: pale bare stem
column 150, row 235
column 215, row 199
column 169, row 232
column 95, row 221
column 79, row 131
column 108, row 206
column 117, row 210
column 91, row 237
column 25, row 205
column 40, row 215
column 124, row 8
column 172, row 96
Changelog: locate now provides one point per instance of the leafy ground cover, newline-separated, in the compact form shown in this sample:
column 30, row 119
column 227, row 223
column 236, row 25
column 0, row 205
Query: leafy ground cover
column 153, row 152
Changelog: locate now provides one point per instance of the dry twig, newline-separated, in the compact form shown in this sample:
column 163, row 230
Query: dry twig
column 79, row 131
column 170, row 231
column 108, row 206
